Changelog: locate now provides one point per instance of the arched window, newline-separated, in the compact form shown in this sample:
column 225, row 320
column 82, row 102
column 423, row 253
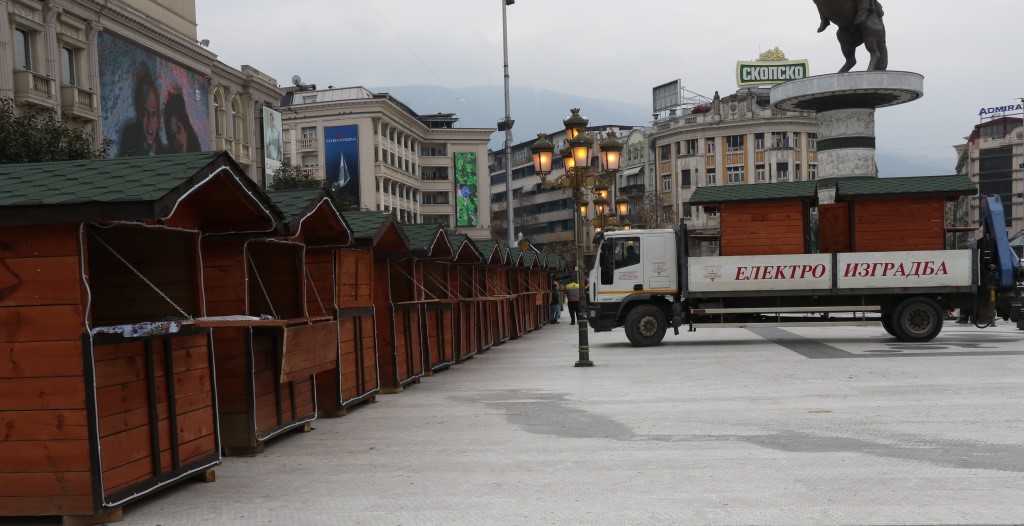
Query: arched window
column 238, row 119
column 218, row 112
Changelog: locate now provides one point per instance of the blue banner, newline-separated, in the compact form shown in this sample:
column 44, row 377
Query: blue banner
column 341, row 153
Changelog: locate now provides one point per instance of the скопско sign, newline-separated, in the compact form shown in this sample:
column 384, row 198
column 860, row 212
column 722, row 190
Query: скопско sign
column 768, row 73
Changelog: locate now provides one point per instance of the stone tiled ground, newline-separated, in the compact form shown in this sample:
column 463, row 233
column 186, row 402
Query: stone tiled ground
column 791, row 427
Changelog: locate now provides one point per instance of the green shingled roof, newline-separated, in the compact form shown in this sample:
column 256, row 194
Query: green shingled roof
column 128, row 179
column 458, row 241
column 951, row 185
column 486, row 248
column 799, row 190
column 295, row 204
column 365, row 225
column 421, row 236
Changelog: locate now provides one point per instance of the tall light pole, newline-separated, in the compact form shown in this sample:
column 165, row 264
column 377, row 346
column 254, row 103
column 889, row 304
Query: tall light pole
column 580, row 177
column 506, row 126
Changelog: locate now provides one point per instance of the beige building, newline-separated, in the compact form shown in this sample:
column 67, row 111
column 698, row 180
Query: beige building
column 993, row 158
column 132, row 73
column 397, row 159
column 738, row 139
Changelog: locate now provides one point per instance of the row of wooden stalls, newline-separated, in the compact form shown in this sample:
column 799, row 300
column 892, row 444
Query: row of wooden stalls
column 158, row 313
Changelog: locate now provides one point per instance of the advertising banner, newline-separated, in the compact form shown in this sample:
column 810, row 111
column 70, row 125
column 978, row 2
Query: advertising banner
column 151, row 106
column 466, row 198
column 273, row 145
column 897, row 270
column 761, row 273
column 341, row 153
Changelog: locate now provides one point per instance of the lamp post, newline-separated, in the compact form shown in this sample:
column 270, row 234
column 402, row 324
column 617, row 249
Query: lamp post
column 505, row 125
column 579, row 177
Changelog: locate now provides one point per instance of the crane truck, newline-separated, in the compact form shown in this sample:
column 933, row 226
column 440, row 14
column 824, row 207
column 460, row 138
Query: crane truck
column 645, row 281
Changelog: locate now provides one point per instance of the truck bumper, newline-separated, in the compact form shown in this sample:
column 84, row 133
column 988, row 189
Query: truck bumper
column 604, row 316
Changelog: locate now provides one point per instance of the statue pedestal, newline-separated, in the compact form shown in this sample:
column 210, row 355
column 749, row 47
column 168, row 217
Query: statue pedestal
column 846, row 104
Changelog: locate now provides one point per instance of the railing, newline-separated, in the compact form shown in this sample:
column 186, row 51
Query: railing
column 78, row 101
column 633, row 189
column 32, row 86
column 306, row 144
column 311, row 170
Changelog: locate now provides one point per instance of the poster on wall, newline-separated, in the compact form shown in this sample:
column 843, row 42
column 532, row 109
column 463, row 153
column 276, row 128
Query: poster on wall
column 466, row 198
column 341, row 153
column 273, row 145
column 151, row 106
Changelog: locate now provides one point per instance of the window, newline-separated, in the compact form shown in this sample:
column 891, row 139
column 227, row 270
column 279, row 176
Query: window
column 710, row 145
column 711, row 212
column 666, row 183
column 759, row 141
column 812, row 172
column 712, row 177
column 437, row 219
column 664, row 152
column 812, row 142
column 626, row 252
column 69, row 66
column 238, row 119
column 22, row 49
column 734, row 143
column 759, row 173
column 436, row 198
column 780, row 140
column 735, row 174
column 218, row 113
column 796, row 172
column 308, row 99
column 309, row 132
column 782, row 171
column 684, row 176
column 436, row 174
column 310, row 160
column 687, row 211
column 692, row 147
column 797, row 140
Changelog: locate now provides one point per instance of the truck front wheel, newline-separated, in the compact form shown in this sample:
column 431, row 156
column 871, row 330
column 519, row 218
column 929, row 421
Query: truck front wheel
column 917, row 320
column 645, row 325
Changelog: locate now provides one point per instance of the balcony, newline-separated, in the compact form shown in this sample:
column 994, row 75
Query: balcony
column 223, row 143
column 33, row 88
column 633, row 189
column 312, row 170
column 79, row 103
column 242, row 152
column 306, row 144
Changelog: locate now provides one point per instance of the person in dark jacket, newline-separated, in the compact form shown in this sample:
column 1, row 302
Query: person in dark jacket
column 556, row 303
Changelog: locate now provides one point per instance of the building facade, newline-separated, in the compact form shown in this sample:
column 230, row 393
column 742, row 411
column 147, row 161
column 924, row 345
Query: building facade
column 384, row 156
column 132, row 73
column 738, row 139
column 993, row 158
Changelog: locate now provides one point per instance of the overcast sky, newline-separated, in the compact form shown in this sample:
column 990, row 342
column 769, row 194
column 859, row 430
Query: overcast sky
column 970, row 53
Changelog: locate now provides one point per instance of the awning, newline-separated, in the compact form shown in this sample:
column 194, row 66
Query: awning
column 632, row 171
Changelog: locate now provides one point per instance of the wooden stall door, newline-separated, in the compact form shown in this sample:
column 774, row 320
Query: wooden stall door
column 888, row 225
column 155, row 408
column 763, row 228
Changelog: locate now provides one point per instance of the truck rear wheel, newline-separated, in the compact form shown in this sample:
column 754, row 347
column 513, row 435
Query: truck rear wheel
column 887, row 324
column 645, row 325
column 917, row 320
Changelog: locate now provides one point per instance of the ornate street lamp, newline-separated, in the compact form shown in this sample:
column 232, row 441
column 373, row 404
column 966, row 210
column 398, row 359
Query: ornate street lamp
column 579, row 177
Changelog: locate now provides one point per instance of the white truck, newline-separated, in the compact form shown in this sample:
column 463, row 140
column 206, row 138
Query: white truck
column 645, row 282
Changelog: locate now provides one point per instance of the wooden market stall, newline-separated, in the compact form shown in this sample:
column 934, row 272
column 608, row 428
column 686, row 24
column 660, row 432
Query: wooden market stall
column 399, row 335
column 473, row 330
column 338, row 285
column 432, row 254
column 517, row 287
column 107, row 389
column 494, row 285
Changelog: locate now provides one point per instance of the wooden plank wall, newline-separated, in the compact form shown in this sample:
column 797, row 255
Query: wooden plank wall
column 320, row 289
column 279, row 274
column 44, row 437
column 123, row 406
column 355, row 270
column 763, row 228
column 385, row 322
column 887, row 225
column 223, row 278
column 275, row 405
column 834, row 228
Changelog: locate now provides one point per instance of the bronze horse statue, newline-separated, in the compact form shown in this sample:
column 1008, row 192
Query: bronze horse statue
column 859, row 22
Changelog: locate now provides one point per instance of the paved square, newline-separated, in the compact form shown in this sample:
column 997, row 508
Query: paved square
column 723, row 426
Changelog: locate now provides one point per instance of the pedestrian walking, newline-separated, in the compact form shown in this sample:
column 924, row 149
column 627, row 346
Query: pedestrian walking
column 572, row 297
column 556, row 303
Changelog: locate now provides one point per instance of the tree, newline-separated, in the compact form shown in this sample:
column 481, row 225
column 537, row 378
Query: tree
column 35, row 137
column 289, row 177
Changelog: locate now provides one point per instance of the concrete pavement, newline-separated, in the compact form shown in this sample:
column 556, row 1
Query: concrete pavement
column 732, row 426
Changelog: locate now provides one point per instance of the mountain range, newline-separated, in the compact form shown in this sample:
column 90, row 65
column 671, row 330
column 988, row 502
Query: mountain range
column 537, row 110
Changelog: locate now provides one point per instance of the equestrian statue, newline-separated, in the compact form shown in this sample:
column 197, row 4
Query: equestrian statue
column 859, row 22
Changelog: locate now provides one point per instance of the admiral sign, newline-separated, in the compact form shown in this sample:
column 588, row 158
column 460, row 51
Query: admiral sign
column 996, row 111
column 761, row 73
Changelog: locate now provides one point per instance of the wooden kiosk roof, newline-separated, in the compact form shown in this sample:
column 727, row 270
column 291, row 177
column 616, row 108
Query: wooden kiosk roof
column 491, row 251
column 309, row 214
column 847, row 189
column 428, row 240
column 465, row 250
column 380, row 230
column 205, row 190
